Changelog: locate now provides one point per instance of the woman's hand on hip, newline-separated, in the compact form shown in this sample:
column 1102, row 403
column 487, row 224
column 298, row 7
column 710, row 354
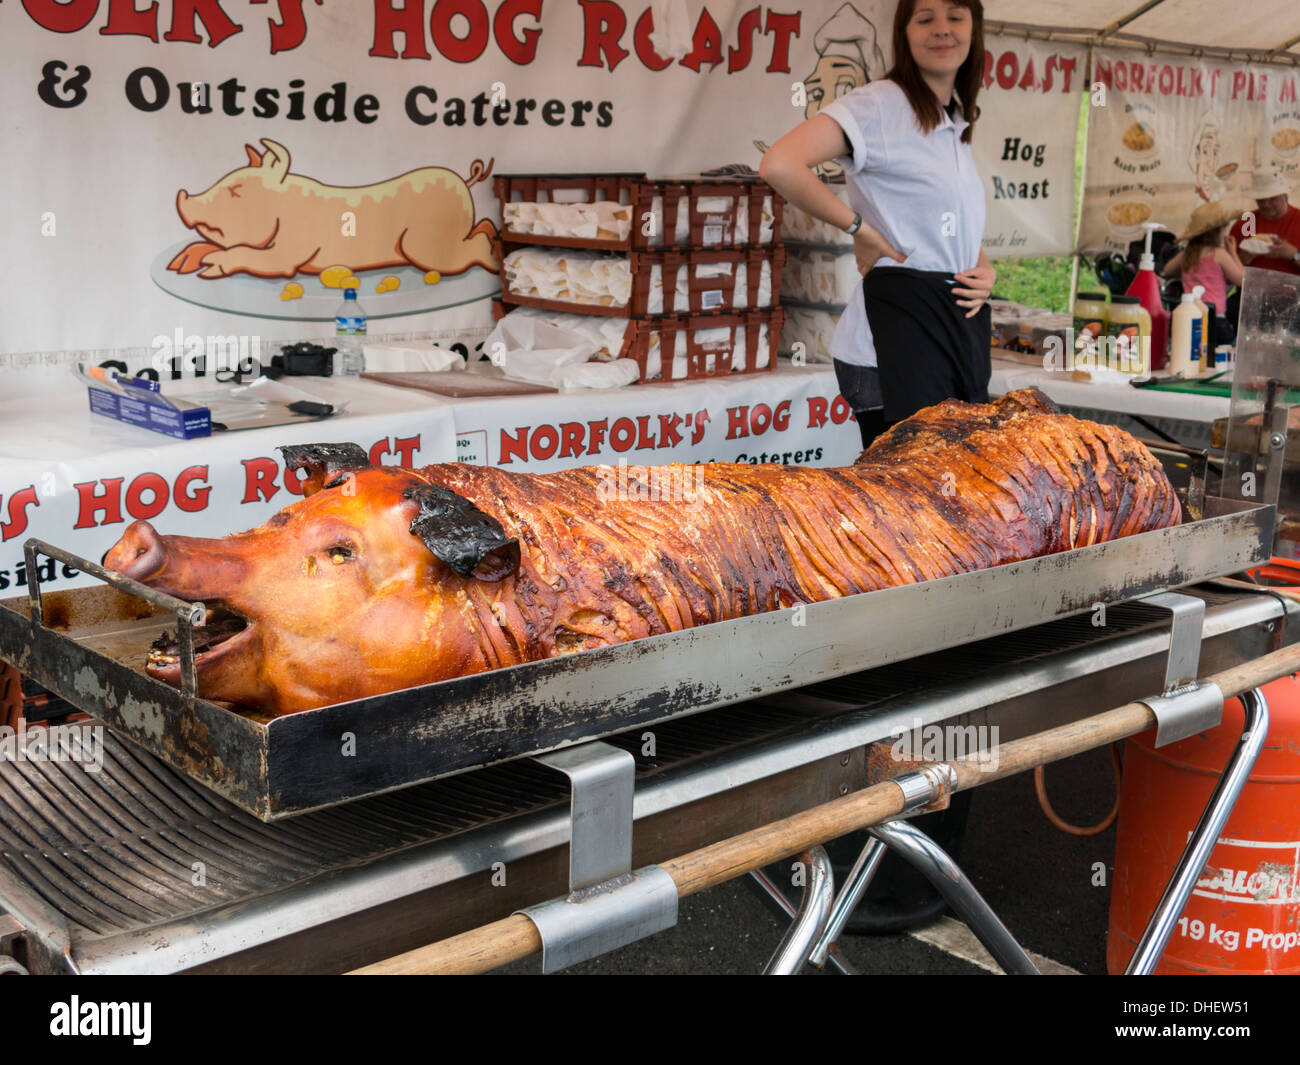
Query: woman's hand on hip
column 973, row 288
column 869, row 247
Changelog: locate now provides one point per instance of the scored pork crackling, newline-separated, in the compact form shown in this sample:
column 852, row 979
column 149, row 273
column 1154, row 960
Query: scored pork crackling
column 384, row 578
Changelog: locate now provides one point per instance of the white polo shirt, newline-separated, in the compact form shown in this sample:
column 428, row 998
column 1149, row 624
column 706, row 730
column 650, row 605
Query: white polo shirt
column 920, row 191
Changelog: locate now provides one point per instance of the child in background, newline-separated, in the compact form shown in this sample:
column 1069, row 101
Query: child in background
column 1210, row 260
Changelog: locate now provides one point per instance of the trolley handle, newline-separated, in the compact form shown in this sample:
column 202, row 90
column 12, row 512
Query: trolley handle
column 187, row 614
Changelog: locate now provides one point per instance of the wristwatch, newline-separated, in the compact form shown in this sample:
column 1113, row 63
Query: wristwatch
column 1296, row 258
column 855, row 225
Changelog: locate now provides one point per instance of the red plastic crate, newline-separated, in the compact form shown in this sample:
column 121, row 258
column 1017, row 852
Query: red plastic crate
column 704, row 357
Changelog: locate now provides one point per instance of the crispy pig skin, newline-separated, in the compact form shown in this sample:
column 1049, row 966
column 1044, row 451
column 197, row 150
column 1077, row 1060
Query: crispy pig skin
column 608, row 554
column 958, row 487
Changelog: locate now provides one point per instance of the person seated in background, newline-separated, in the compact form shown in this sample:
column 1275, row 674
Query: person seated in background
column 1275, row 222
column 1209, row 259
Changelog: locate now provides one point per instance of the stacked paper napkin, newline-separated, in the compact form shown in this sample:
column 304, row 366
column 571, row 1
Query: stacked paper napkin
column 602, row 220
column 811, row 327
column 573, row 277
column 820, row 276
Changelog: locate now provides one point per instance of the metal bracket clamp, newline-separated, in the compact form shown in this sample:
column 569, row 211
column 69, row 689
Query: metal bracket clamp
column 931, row 783
column 587, row 924
column 1275, row 421
column 601, row 778
column 608, row 905
column 1184, row 707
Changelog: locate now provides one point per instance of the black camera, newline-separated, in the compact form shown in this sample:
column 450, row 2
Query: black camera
column 303, row 359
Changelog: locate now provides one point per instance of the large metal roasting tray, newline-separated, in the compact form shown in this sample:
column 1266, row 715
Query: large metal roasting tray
column 89, row 646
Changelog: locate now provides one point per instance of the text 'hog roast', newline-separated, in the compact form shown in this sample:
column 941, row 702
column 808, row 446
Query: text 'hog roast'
column 384, row 578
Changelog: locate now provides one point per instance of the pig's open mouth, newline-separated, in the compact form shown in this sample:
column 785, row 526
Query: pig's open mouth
column 221, row 630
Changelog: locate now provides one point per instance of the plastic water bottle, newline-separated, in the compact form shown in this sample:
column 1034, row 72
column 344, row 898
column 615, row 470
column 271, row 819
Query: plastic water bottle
column 350, row 332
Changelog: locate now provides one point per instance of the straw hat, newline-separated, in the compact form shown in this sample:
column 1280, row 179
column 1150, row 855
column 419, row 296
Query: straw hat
column 1208, row 216
column 1268, row 182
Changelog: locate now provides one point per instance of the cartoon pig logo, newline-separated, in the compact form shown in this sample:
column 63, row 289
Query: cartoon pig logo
column 263, row 220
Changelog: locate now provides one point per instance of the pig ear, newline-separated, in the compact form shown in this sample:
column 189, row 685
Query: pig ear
column 254, row 156
column 276, row 159
column 472, row 543
column 323, row 463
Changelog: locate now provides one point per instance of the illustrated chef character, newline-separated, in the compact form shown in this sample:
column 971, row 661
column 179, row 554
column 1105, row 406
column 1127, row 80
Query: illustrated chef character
column 847, row 58
column 1275, row 221
column 919, row 331
column 1203, row 158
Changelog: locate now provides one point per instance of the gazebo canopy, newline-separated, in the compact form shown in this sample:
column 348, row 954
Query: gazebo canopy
column 1261, row 30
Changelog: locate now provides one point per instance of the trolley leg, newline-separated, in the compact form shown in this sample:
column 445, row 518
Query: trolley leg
column 776, row 895
column 931, row 859
column 1204, row 837
column 814, row 911
column 859, row 879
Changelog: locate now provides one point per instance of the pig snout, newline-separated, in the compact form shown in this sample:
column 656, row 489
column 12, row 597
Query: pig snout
column 139, row 554
column 182, row 208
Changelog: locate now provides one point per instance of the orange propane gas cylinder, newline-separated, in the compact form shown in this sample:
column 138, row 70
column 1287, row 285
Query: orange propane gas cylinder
column 1244, row 914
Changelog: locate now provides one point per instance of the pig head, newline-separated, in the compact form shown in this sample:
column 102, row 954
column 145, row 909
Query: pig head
column 357, row 589
column 241, row 208
column 263, row 220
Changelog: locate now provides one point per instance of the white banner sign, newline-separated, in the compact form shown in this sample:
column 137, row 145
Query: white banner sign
column 794, row 416
column 77, row 480
column 222, row 167
column 1024, row 145
column 1168, row 133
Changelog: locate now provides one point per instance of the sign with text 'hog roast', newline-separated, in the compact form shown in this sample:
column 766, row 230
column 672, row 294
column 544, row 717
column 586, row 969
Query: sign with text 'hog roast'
column 351, row 143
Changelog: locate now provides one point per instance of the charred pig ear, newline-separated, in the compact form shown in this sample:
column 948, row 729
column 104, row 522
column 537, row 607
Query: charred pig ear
column 472, row 543
column 323, row 463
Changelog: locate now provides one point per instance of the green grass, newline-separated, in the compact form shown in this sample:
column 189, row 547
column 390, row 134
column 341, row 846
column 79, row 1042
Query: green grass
column 1034, row 282
column 1046, row 282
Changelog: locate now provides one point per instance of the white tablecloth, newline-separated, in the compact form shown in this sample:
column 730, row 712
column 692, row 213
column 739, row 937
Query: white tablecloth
column 1120, row 398
column 77, row 480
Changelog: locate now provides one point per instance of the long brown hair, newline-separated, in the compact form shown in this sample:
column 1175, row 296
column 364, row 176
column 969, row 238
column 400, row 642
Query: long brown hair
column 1201, row 245
column 970, row 75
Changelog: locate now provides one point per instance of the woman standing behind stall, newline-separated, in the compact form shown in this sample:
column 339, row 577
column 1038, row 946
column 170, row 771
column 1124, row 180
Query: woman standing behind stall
column 919, row 334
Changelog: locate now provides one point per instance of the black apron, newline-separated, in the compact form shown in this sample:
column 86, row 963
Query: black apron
column 927, row 350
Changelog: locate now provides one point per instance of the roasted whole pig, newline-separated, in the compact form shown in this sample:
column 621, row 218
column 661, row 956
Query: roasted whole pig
column 384, row 578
